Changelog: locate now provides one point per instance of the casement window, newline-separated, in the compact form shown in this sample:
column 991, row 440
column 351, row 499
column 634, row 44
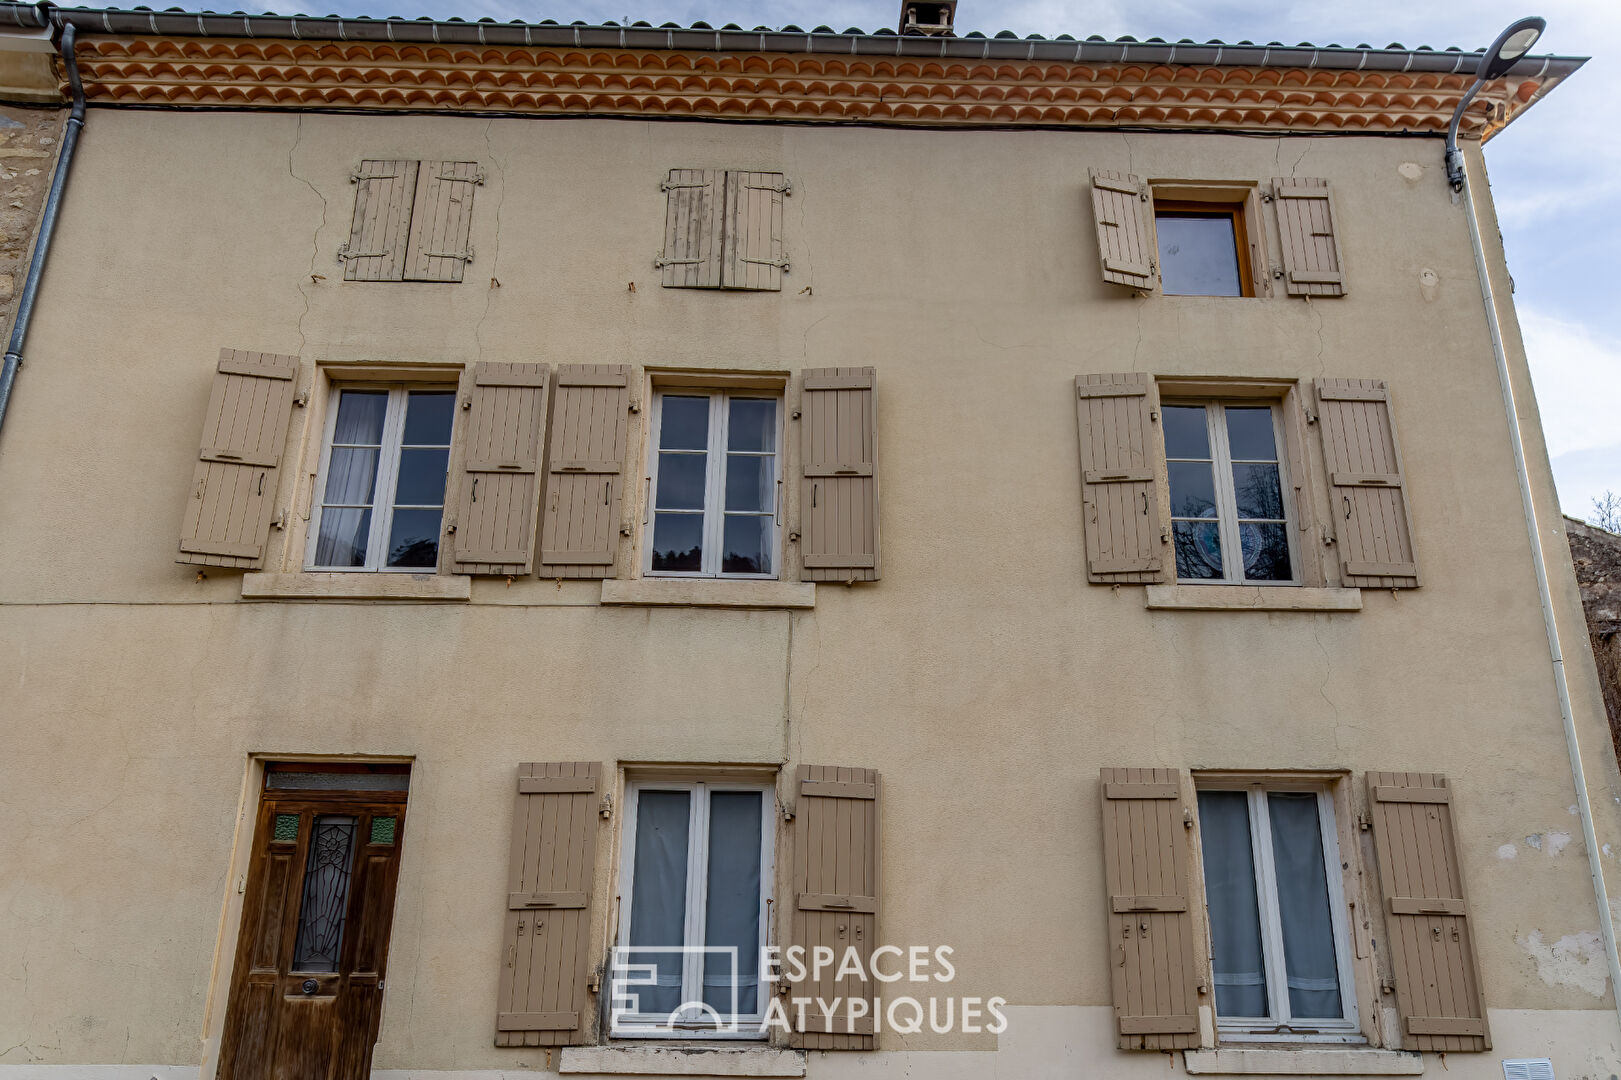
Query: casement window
column 695, row 884
column 723, row 230
column 1229, row 519
column 1203, row 248
column 412, row 221
column 1279, row 938
column 715, row 480
column 380, row 492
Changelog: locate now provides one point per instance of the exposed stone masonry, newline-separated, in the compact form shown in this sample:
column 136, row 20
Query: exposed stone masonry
column 1597, row 555
column 29, row 141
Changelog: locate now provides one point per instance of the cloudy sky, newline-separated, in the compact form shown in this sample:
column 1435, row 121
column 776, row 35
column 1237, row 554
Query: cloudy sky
column 1555, row 173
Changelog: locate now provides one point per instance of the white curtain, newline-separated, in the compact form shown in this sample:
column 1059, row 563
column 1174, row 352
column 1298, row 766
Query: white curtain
column 351, row 477
column 1303, row 906
column 658, row 907
column 1235, row 919
column 732, row 917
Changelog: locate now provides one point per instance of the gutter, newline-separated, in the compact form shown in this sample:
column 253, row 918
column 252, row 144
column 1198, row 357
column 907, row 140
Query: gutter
column 53, row 205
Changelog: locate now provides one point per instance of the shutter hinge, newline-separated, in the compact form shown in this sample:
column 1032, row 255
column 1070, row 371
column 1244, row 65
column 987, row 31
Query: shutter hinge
column 281, row 521
column 450, row 527
column 660, row 262
column 345, row 254
column 786, row 811
column 1328, row 537
column 302, row 399
column 476, row 179
column 606, row 810
column 780, row 264
column 665, row 185
column 1311, row 417
column 1164, row 534
column 464, row 256
column 1266, row 196
column 1386, row 986
column 594, row 985
column 787, row 187
column 356, row 177
column 1363, row 823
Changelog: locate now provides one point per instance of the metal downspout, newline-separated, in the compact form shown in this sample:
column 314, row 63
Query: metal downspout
column 47, row 224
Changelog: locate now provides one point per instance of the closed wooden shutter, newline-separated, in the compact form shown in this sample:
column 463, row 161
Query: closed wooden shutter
column 1432, row 952
column 233, row 489
column 1311, row 253
column 1368, row 493
column 499, row 496
column 1151, row 941
column 694, row 217
column 380, row 234
column 1120, row 452
column 754, row 255
column 838, row 496
column 1125, row 219
column 543, row 999
column 580, row 532
column 835, row 902
column 441, row 221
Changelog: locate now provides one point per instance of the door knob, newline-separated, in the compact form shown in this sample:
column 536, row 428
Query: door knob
column 310, row 986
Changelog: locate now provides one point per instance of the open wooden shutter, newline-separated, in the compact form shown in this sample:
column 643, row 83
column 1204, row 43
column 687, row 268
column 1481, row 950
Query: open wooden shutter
column 499, row 496
column 441, row 221
column 835, row 901
column 1125, row 219
column 381, row 231
column 543, row 998
column 1120, row 451
column 1151, row 941
column 693, row 219
column 754, row 255
column 233, row 488
column 838, row 495
column 1311, row 254
column 580, row 533
column 1426, row 915
column 1368, row 494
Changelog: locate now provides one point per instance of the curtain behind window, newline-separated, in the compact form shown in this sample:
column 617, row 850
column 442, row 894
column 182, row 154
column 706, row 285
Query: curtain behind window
column 658, row 907
column 1303, row 905
column 1235, row 918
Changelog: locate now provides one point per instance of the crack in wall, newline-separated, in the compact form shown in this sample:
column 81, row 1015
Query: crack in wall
column 495, row 259
column 315, row 241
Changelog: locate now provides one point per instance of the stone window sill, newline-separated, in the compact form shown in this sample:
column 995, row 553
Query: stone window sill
column 682, row 1061
column 1302, row 1061
column 709, row 592
column 1252, row 598
column 357, row 586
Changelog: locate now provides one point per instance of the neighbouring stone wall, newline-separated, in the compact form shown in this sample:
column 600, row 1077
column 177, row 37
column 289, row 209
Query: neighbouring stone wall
column 1597, row 555
column 29, row 140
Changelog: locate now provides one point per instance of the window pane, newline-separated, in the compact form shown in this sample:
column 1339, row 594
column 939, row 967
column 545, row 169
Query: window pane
column 681, row 481
column 351, row 476
column 753, row 424
column 415, row 539
column 1259, row 492
column 732, row 918
column 1186, row 433
column 751, row 482
column 360, row 417
column 342, row 541
column 1198, row 549
column 1308, row 928
column 427, row 417
column 683, row 423
column 747, row 548
column 1193, row 489
column 325, row 898
column 678, row 542
column 1266, row 551
column 658, row 907
column 1198, row 254
column 1249, row 433
column 1235, row 916
column 422, row 478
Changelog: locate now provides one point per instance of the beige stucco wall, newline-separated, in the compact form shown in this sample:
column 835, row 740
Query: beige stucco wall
column 982, row 676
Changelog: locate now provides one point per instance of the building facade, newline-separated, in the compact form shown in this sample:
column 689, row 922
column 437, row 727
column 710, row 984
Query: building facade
column 512, row 530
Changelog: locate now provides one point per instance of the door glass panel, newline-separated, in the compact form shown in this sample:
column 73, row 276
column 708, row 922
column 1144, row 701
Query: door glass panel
column 325, row 899
column 1303, row 908
column 1235, row 918
column 732, row 919
column 658, row 911
column 1198, row 254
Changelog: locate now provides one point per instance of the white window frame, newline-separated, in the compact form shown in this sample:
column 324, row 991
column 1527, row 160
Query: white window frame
column 752, row 1025
column 1221, row 454
column 714, row 509
column 1345, row 1029
column 388, row 469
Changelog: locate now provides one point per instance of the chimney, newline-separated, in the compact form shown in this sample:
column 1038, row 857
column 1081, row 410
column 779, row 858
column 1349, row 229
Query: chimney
column 932, row 19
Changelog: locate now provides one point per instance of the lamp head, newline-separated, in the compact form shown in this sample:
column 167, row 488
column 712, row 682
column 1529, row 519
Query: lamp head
column 1513, row 43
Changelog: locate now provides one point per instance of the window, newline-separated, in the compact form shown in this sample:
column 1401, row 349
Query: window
column 412, row 221
column 1203, row 250
column 1229, row 520
column 716, row 484
column 723, row 229
column 382, row 480
column 1277, row 913
column 696, row 877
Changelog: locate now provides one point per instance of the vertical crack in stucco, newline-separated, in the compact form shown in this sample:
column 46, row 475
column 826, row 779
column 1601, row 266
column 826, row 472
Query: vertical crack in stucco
column 315, row 241
column 1136, row 349
column 1328, row 673
column 787, row 691
column 1322, row 364
column 804, row 699
column 495, row 259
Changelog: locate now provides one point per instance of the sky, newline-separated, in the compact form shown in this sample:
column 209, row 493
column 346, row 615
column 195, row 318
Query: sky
column 1555, row 177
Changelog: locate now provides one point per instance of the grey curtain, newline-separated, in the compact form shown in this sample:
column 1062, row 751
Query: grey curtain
column 1235, row 918
column 732, row 918
column 1303, row 906
column 658, row 906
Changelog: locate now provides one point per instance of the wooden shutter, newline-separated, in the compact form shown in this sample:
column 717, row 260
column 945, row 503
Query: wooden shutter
column 233, row 489
column 381, row 231
column 1125, row 219
column 1121, row 447
column 838, row 495
column 1311, row 254
column 835, row 901
column 753, row 251
column 1426, row 915
column 499, row 496
column 1368, row 493
column 441, row 220
column 693, row 219
column 1151, row 941
column 543, row 998
column 580, row 532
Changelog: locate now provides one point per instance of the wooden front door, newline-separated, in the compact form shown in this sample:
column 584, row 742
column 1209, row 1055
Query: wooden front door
column 307, row 989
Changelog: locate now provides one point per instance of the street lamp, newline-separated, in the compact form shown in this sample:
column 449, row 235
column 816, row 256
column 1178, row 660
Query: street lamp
column 1513, row 43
